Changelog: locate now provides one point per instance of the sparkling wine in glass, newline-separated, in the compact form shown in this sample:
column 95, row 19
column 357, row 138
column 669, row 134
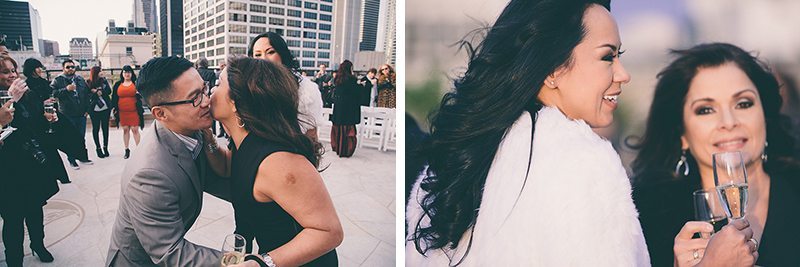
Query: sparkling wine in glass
column 708, row 208
column 233, row 250
column 50, row 108
column 730, row 177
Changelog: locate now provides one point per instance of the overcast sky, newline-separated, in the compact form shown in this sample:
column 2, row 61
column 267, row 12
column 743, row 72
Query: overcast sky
column 63, row 20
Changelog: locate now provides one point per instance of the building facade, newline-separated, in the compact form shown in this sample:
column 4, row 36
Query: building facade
column 390, row 41
column 171, row 27
column 218, row 29
column 347, row 30
column 21, row 26
column 145, row 14
column 120, row 46
column 80, row 48
column 49, row 48
column 370, row 13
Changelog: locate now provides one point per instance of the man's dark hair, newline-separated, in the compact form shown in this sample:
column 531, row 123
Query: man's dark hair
column 202, row 63
column 67, row 61
column 156, row 76
column 372, row 70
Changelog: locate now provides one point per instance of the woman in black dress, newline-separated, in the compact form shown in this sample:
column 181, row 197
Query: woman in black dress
column 346, row 111
column 278, row 195
column 715, row 98
column 28, row 163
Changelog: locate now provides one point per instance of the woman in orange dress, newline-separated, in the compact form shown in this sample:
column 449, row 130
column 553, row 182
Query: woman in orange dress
column 128, row 110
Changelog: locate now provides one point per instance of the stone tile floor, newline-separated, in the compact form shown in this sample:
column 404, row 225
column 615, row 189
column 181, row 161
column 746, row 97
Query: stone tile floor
column 79, row 218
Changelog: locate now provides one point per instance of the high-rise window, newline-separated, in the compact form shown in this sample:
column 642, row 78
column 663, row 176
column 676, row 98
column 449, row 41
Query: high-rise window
column 324, row 36
column 292, row 33
column 324, row 27
column 258, row 29
column 309, row 44
column 294, row 13
column 309, row 25
column 258, row 8
column 324, row 54
column 128, row 51
column 324, row 45
column 276, row 11
column 293, row 43
column 310, row 35
column 325, row 17
column 237, row 28
column 311, row 5
column 309, row 54
column 258, row 19
column 326, row 8
column 293, row 23
column 276, row 21
column 238, row 6
column 295, row 3
column 237, row 17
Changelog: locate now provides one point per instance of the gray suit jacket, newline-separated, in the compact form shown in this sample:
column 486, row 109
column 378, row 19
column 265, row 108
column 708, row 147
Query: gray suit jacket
column 162, row 195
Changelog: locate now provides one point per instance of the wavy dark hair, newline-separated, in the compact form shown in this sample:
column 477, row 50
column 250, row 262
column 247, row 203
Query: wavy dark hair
column 266, row 97
column 529, row 41
column 279, row 44
column 344, row 73
column 660, row 147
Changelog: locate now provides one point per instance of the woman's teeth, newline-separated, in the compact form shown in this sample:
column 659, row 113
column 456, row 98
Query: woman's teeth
column 612, row 98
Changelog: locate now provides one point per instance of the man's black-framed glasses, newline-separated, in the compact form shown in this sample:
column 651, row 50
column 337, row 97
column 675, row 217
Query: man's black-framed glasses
column 195, row 101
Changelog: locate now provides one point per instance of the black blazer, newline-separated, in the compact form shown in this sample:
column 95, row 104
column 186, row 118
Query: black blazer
column 115, row 104
column 346, row 108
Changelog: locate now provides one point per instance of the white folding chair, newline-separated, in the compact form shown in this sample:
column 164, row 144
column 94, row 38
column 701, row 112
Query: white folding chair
column 324, row 126
column 390, row 141
column 372, row 129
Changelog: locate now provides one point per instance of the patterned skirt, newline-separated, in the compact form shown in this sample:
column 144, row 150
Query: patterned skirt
column 344, row 140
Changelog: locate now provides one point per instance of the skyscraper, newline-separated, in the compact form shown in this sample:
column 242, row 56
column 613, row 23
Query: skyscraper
column 145, row 14
column 390, row 42
column 21, row 25
column 171, row 27
column 347, row 30
column 370, row 13
column 49, row 48
column 215, row 30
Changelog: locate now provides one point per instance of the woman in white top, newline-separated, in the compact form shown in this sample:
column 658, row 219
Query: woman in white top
column 272, row 47
column 516, row 176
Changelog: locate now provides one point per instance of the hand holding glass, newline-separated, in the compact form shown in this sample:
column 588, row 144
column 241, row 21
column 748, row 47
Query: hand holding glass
column 707, row 208
column 233, row 250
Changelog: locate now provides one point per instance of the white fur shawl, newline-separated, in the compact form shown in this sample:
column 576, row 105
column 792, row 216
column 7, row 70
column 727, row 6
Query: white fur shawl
column 575, row 208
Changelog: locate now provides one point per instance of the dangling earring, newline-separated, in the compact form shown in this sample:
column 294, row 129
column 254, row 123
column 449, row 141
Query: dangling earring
column 764, row 154
column 241, row 123
column 682, row 162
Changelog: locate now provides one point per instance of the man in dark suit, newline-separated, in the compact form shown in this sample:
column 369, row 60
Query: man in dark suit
column 163, row 184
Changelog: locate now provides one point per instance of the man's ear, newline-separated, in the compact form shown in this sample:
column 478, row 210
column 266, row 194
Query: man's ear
column 160, row 113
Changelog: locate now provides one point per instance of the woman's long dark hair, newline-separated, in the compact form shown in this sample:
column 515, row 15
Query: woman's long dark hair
column 529, row 40
column 344, row 73
column 660, row 147
column 94, row 78
column 266, row 97
column 29, row 67
column 128, row 69
column 280, row 46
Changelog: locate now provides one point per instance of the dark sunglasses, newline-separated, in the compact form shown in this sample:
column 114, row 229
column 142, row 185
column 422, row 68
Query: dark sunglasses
column 382, row 69
column 70, row 67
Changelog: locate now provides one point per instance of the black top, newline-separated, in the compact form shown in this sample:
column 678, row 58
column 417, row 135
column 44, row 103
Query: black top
column 346, row 108
column 71, row 103
column 266, row 221
column 664, row 208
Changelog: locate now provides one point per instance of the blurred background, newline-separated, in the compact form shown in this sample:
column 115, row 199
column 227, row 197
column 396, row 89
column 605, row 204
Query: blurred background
column 648, row 28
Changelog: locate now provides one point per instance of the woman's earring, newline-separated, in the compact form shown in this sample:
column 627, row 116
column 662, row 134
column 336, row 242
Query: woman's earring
column 552, row 83
column 764, row 156
column 682, row 162
column 241, row 123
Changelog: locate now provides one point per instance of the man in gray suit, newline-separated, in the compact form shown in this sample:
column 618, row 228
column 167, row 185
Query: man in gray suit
column 163, row 183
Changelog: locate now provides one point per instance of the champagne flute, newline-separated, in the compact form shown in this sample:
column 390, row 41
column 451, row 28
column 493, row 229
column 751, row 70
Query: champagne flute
column 50, row 108
column 233, row 250
column 708, row 208
column 730, row 177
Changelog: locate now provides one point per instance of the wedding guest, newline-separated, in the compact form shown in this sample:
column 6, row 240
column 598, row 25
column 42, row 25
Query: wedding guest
column 163, row 184
column 279, row 197
column 715, row 98
column 99, row 110
column 346, row 111
column 127, row 107
column 73, row 101
column 387, row 87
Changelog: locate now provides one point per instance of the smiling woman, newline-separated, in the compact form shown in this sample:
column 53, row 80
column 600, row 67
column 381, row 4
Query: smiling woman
column 716, row 98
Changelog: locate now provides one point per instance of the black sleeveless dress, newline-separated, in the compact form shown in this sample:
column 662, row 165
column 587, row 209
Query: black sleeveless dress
column 267, row 222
